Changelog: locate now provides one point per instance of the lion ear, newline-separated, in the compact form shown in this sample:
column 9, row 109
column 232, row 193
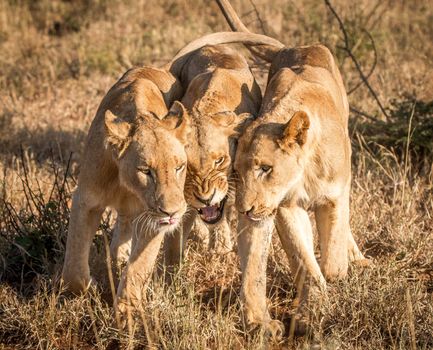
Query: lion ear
column 235, row 123
column 295, row 131
column 118, row 132
column 242, row 122
column 178, row 120
column 224, row 118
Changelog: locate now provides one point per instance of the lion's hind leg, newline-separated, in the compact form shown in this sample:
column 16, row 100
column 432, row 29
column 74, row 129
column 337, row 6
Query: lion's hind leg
column 355, row 255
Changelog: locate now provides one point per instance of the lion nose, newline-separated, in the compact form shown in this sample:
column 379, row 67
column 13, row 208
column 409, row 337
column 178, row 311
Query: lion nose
column 249, row 212
column 169, row 213
column 206, row 201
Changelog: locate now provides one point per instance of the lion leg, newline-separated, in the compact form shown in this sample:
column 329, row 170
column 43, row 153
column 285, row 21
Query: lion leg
column 353, row 250
column 294, row 229
column 200, row 233
column 253, row 247
column 120, row 246
column 175, row 243
column 296, row 267
column 355, row 255
column 332, row 219
column 83, row 223
column 131, row 290
column 300, row 317
column 220, row 236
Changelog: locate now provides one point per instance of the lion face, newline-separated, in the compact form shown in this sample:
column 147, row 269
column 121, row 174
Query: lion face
column 269, row 164
column 151, row 159
column 210, row 180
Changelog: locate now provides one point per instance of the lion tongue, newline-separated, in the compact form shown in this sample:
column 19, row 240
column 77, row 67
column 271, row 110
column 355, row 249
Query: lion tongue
column 210, row 213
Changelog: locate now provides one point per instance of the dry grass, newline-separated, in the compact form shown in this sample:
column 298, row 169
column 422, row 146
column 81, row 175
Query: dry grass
column 57, row 60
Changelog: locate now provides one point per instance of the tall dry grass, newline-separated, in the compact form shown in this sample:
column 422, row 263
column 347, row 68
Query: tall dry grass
column 57, row 60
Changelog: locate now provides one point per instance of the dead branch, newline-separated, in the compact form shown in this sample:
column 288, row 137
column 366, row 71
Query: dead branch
column 373, row 66
column 259, row 18
column 349, row 52
column 362, row 113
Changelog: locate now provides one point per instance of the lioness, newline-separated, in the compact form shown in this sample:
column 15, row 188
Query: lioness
column 221, row 94
column 134, row 161
column 295, row 155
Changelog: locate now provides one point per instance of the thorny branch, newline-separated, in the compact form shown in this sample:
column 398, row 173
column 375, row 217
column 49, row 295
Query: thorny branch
column 349, row 52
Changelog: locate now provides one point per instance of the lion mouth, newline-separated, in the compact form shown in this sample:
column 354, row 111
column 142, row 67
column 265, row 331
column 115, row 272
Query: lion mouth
column 168, row 221
column 255, row 217
column 212, row 213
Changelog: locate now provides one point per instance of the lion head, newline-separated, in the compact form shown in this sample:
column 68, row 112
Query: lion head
column 270, row 165
column 151, row 162
column 211, row 150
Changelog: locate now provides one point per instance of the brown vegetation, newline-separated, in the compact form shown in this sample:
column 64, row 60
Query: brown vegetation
column 57, row 60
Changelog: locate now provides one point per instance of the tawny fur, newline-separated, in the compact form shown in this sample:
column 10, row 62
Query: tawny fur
column 132, row 133
column 135, row 162
column 221, row 94
column 294, row 156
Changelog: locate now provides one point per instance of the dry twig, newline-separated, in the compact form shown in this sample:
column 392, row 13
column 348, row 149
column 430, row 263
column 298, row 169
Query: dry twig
column 373, row 66
column 349, row 52
column 259, row 18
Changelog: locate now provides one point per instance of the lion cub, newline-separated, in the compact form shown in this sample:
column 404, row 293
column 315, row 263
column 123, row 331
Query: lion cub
column 135, row 162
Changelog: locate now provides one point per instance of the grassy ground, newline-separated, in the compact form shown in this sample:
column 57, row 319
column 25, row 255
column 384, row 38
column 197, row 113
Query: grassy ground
column 57, row 60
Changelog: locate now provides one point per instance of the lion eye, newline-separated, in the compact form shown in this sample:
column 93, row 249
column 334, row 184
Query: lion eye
column 266, row 168
column 219, row 161
column 145, row 171
column 180, row 168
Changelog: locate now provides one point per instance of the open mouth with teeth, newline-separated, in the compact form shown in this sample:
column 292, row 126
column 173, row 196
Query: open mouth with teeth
column 213, row 213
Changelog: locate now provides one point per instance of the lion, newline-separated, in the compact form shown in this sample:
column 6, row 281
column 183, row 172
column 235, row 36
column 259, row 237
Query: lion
column 221, row 94
column 135, row 162
column 296, row 155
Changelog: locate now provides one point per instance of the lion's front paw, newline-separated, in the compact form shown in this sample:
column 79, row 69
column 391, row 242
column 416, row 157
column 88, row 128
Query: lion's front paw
column 274, row 329
column 78, row 284
column 123, row 314
column 364, row 262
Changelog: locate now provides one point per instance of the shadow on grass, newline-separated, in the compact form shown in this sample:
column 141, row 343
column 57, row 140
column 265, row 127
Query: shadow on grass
column 42, row 145
column 408, row 132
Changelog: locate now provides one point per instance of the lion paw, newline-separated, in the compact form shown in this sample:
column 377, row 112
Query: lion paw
column 365, row 262
column 123, row 313
column 78, row 284
column 274, row 329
